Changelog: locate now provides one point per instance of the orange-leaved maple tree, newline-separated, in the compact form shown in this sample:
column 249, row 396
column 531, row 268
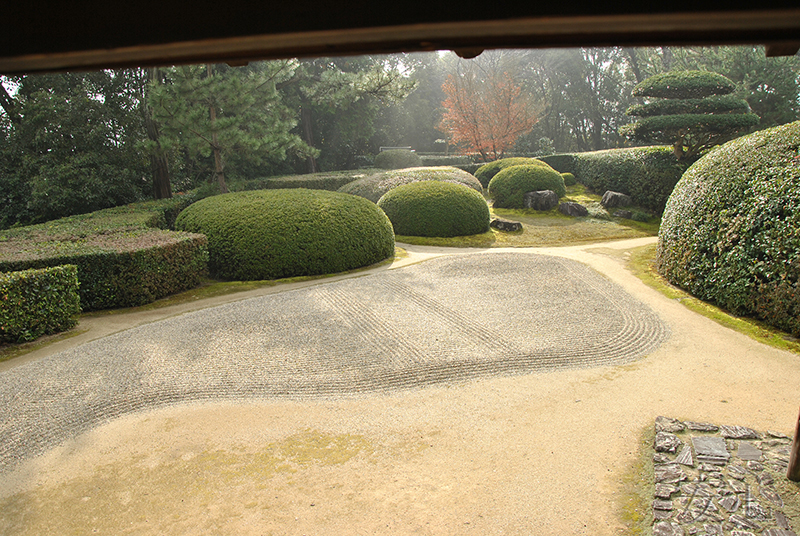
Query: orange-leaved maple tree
column 485, row 115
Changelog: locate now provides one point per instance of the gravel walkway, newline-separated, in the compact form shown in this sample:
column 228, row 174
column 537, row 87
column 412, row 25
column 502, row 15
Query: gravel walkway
column 448, row 319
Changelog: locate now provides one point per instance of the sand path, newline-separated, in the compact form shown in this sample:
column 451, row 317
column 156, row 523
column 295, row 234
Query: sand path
column 537, row 453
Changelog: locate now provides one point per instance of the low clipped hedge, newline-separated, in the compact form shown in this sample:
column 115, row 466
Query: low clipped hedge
column 486, row 172
column 507, row 189
column 331, row 181
column 122, row 260
column 431, row 208
column 445, row 160
column 397, row 159
column 647, row 174
column 375, row 186
column 729, row 233
column 563, row 163
column 38, row 302
column 120, row 268
column 271, row 234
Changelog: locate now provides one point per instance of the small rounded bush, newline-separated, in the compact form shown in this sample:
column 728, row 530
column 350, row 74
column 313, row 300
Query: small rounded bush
column 509, row 186
column 270, row 234
column 433, row 208
column 396, row 159
column 569, row 179
column 486, row 172
column 374, row 186
column 729, row 233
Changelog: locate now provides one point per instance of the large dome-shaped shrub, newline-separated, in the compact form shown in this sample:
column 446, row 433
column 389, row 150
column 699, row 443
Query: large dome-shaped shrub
column 434, row 208
column 509, row 186
column 270, row 234
column 397, row 158
column 730, row 232
column 374, row 186
column 486, row 172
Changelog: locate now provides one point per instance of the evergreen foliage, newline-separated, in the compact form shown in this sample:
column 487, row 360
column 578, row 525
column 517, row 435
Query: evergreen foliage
column 38, row 302
column 647, row 174
column 486, row 172
column 693, row 116
column 397, row 159
column 272, row 234
column 508, row 188
column 375, row 186
column 569, row 179
column 730, row 231
column 433, row 208
column 122, row 260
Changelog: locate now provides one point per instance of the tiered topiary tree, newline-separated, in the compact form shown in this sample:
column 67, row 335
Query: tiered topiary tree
column 691, row 110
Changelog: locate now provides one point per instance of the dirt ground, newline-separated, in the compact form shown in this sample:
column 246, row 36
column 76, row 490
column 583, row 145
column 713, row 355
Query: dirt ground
column 537, row 454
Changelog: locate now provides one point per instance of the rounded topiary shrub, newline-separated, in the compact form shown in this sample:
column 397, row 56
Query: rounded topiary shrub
column 509, row 186
column 375, row 186
column 270, row 234
column 486, row 172
column 397, row 158
column 569, row 179
column 434, row 208
column 729, row 233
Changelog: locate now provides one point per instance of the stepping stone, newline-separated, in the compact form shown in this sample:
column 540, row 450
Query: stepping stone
column 685, row 457
column 711, row 450
column 748, row 452
column 738, row 432
column 701, row 426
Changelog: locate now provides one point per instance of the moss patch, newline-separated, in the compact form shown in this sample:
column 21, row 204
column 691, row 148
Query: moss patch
column 636, row 489
column 642, row 264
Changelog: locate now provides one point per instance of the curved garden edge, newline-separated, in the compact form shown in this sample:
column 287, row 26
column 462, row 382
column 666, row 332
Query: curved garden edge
column 543, row 453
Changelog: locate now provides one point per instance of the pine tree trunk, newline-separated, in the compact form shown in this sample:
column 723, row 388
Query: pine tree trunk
column 308, row 137
column 219, row 164
column 159, row 166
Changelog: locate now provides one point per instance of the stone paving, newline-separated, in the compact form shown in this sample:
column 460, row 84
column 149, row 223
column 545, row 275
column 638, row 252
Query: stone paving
column 448, row 319
column 719, row 480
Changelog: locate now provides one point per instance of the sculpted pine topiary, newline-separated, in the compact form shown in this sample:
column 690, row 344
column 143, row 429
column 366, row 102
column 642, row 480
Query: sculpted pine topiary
column 691, row 110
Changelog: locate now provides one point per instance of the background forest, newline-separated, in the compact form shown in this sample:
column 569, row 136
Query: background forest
column 78, row 142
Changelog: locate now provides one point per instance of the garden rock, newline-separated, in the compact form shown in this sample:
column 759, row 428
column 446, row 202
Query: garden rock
column 626, row 214
column 615, row 199
column 573, row 209
column 540, row 200
column 507, row 226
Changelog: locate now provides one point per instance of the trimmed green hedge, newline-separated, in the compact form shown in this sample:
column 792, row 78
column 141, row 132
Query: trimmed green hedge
column 684, row 85
column 569, row 179
column 330, row 181
column 486, row 172
column 563, row 163
column 507, row 189
column 121, row 260
column 432, row 208
column 375, row 186
column 397, row 159
column 38, row 302
column 430, row 160
column 729, row 233
column 647, row 174
column 271, row 234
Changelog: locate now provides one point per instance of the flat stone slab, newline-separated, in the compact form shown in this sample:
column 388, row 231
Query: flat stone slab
column 440, row 321
column 728, row 492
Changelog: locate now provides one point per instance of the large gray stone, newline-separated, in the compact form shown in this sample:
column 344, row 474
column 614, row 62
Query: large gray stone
column 711, row 450
column 540, row 200
column 615, row 199
column 573, row 209
column 507, row 226
column 666, row 442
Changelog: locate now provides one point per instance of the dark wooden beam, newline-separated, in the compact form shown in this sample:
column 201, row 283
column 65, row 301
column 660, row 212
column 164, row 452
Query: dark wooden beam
column 67, row 38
